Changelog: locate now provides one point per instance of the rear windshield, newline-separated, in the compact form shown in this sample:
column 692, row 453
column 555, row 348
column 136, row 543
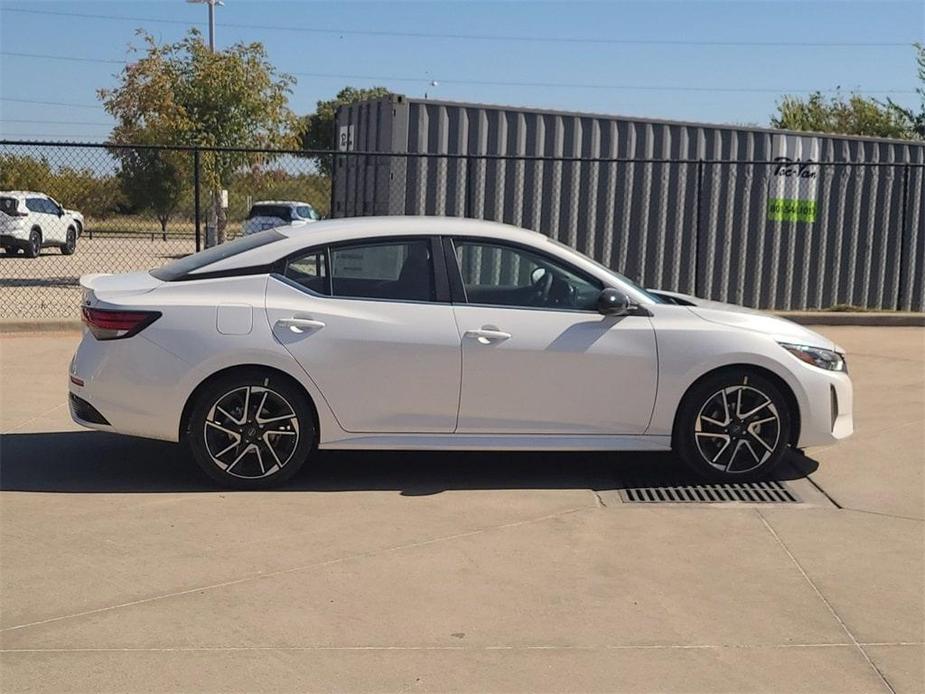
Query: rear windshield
column 179, row 269
column 277, row 211
column 9, row 205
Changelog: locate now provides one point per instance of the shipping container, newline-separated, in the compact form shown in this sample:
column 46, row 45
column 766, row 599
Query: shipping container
column 760, row 217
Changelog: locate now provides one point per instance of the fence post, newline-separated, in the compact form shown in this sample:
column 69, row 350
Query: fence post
column 467, row 212
column 697, row 224
column 902, row 239
column 196, row 198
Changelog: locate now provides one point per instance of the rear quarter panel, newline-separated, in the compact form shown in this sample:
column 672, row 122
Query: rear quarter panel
column 188, row 329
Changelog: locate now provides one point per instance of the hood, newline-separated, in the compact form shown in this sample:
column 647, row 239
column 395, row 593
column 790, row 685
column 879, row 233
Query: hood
column 735, row 316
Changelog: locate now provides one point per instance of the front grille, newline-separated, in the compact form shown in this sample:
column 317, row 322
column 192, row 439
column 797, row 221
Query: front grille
column 744, row 492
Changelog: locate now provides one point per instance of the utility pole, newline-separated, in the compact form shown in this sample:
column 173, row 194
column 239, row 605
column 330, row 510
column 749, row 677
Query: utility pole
column 211, row 4
column 219, row 197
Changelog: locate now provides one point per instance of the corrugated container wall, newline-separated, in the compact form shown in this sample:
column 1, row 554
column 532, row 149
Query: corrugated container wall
column 701, row 225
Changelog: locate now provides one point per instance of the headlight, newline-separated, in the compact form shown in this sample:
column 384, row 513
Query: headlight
column 822, row 358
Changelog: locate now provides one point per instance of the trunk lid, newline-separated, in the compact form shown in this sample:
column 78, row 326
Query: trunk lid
column 114, row 288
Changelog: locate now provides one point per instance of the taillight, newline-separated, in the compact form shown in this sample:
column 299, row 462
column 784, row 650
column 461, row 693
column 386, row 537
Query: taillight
column 106, row 324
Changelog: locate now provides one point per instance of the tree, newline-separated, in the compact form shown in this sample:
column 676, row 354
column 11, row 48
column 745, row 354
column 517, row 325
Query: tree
column 184, row 94
column 916, row 121
column 151, row 179
column 317, row 129
column 20, row 172
column 852, row 115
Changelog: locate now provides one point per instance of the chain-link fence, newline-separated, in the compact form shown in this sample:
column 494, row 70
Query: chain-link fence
column 764, row 234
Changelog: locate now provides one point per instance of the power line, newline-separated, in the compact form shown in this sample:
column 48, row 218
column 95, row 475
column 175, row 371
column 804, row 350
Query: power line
column 50, row 103
column 68, row 58
column 504, row 83
column 579, row 85
column 484, row 37
column 55, row 122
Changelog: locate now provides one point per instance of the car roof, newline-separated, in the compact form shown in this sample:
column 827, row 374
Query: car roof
column 356, row 228
column 346, row 228
column 21, row 194
column 282, row 202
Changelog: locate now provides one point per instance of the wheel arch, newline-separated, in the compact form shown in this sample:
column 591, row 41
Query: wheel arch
column 221, row 373
column 785, row 388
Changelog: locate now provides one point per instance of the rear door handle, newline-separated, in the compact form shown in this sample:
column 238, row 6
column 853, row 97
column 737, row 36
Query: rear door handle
column 486, row 335
column 300, row 325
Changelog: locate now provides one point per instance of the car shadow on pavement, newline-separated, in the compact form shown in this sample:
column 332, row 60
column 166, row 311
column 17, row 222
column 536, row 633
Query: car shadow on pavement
column 91, row 462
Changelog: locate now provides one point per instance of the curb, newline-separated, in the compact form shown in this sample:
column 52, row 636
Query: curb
column 39, row 326
column 857, row 318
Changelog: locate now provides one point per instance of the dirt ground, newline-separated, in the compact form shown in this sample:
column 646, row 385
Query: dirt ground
column 47, row 286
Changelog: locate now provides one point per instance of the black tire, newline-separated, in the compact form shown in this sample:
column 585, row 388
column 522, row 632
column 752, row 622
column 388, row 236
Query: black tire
column 70, row 244
column 80, row 228
column 34, row 247
column 233, row 447
column 720, row 444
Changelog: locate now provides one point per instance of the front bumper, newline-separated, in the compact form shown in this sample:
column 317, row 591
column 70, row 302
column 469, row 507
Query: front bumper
column 826, row 406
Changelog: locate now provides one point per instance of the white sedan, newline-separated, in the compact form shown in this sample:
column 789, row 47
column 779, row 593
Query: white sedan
column 440, row 333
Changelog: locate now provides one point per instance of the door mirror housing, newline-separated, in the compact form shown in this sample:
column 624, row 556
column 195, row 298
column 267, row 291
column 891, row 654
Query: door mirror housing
column 613, row 302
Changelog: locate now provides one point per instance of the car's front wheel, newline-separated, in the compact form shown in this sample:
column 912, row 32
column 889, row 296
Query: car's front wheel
column 251, row 429
column 733, row 425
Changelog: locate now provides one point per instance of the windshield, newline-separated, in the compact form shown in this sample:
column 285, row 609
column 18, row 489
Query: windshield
column 614, row 273
column 179, row 269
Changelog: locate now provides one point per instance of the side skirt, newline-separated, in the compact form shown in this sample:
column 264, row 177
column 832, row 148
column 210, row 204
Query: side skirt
column 500, row 442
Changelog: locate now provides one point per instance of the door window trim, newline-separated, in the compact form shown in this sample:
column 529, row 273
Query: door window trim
column 458, row 286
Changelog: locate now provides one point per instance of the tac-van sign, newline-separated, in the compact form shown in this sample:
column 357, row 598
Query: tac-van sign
column 794, row 179
column 345, row 138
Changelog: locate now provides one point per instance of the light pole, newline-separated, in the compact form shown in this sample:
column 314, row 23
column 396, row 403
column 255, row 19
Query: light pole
column 211, row 4
column 219, row 197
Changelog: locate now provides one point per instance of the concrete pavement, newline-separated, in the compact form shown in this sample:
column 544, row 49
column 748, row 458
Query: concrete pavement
column 122, row 570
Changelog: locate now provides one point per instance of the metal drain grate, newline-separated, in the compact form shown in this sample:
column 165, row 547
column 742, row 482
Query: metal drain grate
column 746, row 492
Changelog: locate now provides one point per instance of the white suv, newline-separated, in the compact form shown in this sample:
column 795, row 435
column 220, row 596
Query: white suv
column 32, row 221
column 268, row 214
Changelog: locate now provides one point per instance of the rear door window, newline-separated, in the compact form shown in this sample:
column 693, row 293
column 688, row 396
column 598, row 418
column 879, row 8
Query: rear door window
column 390, row 270
column 35, row 205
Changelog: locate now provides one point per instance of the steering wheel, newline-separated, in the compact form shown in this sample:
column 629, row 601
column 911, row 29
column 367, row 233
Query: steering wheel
column 542, row 286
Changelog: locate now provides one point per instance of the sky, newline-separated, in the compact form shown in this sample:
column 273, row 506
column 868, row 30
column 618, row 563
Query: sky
column 720, row 62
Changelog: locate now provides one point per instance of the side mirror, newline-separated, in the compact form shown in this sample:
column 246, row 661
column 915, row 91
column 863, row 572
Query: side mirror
column 613, row 302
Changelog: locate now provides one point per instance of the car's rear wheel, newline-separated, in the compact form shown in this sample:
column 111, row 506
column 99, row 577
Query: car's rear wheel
column 70, row 243
column 733, row 425
column 251, row 429
column 34, row 247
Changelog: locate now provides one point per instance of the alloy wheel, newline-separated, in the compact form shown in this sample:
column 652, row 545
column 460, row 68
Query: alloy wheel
column 251, row 432
column 737, row 429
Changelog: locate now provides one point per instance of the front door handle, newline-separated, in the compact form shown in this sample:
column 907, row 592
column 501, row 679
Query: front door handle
column 299, row 325
column 488, row 334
